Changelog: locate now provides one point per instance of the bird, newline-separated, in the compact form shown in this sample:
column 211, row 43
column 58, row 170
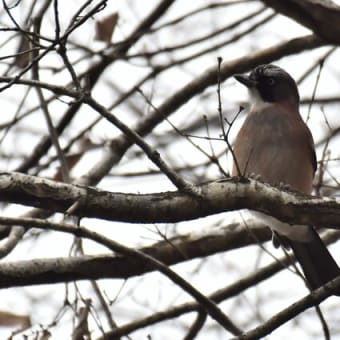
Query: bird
column 275, row 146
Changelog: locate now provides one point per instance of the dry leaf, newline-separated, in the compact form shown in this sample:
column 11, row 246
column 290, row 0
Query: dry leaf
column 71, row 161
column 8, row 319
column 105, row 28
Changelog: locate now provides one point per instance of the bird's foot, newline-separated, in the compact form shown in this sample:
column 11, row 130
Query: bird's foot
column 279, row 241
column 285, row 186
column 254, row 176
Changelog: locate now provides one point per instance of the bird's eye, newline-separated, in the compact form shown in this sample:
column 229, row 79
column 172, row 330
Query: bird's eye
column 270, row 81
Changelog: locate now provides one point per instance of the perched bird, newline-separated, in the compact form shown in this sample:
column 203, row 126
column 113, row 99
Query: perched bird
column 275, row 145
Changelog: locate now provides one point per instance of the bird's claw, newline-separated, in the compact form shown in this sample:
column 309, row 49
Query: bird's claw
column 254, row 176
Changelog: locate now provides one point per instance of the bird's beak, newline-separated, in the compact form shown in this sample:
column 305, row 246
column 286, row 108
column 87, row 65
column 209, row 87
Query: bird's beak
column 245, row 80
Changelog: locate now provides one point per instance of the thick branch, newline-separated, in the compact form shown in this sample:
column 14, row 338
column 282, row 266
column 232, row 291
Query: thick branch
column 215, row 197
column 322, row 17
column 170, row 252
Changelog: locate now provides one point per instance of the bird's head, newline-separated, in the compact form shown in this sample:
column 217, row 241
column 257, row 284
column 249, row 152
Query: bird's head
column 270, row 84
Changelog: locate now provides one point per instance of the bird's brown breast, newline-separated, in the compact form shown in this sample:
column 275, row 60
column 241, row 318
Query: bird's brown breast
column 278, row 147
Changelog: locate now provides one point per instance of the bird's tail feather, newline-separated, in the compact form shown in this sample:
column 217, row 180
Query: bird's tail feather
column 317, row 263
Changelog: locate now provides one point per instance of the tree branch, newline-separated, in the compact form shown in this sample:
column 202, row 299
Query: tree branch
column 173, row 206
column 322, row 17
column 292, row 311
column 175, row 250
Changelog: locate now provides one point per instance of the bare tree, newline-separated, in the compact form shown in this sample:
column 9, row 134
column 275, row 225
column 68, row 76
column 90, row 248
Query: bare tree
column 119, row 217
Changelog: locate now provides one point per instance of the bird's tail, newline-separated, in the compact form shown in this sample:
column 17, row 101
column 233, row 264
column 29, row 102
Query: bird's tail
column 317, row 263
